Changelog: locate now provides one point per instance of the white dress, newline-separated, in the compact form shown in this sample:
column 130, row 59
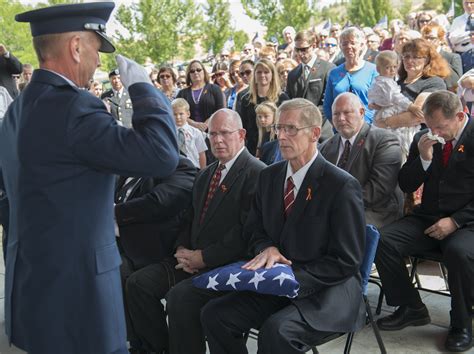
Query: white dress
column 386, row 93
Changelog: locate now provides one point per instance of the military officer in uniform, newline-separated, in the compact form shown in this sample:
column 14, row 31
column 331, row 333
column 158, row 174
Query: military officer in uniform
column 60, row 150
column 119, row 100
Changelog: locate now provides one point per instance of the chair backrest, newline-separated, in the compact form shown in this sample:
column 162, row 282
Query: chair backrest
column 372, row 237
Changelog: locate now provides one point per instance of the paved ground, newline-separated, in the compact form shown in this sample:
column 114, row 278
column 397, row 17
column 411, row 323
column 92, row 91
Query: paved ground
column 413, row 340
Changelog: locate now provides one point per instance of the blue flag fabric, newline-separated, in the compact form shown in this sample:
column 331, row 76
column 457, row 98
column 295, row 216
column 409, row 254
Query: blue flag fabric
column 278, row 280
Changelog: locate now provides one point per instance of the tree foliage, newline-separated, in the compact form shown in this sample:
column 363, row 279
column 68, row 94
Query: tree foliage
column 160, row 30
column 277, row 14
column 216, row 28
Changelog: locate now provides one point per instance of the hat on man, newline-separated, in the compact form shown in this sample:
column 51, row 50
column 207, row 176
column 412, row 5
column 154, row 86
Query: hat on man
column 71, row 18
column 114, row 72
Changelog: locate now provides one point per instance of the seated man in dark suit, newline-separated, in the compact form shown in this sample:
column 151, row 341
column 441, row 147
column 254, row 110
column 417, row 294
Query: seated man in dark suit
column 370, row 154
column 444, row 220
column 149, row 213
column 308, row 80
column 222, row 194
column 309, row 214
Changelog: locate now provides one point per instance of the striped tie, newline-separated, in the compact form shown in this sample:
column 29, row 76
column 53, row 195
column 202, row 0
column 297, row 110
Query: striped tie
column 289, row 197
column 212, row 190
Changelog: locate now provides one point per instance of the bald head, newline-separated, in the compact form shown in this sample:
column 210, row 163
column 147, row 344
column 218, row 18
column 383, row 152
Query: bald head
column 348, row 114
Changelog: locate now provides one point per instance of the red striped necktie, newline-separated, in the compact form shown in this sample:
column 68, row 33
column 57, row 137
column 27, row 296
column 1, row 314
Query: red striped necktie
column 289, row 197
column 212, row 189
column 447, row 150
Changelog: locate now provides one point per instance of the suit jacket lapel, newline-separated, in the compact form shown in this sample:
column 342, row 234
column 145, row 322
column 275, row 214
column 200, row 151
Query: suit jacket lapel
column 458, row 149
column 278, row 185
column 358, row 145
column 205, row 189
column 332, row 149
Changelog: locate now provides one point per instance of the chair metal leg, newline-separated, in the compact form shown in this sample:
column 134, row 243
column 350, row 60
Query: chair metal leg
column 444, row 273
column 374, row 327
column 347, row 347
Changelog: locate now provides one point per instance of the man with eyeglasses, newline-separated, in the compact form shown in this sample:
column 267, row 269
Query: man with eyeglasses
column 372, row 155
column 211, row 236
column 119, row 100
column 309, row 214
column 308, row 79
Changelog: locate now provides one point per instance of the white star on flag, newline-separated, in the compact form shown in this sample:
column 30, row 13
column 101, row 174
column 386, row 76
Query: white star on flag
column 257, row 278
column 233, row 278
column 212, row 282
column 282, row 277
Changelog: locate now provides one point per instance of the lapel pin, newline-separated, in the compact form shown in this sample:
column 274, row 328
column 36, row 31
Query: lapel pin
column 309, row 194
column 361, row 142
column 461, row 148
column 223, row 188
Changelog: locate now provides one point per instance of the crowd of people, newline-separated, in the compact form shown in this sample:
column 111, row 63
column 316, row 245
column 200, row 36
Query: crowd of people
column 275, row 154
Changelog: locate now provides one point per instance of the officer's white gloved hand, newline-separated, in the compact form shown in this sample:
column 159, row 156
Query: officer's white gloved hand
column 131, row 72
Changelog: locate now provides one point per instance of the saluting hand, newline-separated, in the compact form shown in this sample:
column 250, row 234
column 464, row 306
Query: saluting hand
column 131, row 72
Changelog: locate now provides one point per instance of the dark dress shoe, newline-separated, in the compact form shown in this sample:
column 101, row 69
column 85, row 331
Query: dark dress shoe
column 459, row 339
column 403, row 317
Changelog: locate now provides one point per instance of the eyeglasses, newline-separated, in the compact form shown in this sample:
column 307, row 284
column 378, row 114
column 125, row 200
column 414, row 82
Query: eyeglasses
column 16, row 76
column 181, row 83
column 289, row 129
column 224, row 133
column 216, row 75
column 245, row 73
column 424, row 20
column 164, row 76
column 327, row 45
column 192, row 71
column 302, row 49
column 408, row 57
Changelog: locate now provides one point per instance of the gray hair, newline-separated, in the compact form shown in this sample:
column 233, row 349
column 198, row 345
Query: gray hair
column 309, row 113
column 230, row 115
column 352, row 32
column 446, row 101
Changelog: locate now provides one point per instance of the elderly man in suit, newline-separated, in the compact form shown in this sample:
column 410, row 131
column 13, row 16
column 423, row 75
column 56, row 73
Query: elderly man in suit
column 149, row 212
column 309, row 214
column 9, row 65
column 441, row 160
column 212, row 237
column 119, row 100
column 308, row 79
column 370, row 154
column 59, row 159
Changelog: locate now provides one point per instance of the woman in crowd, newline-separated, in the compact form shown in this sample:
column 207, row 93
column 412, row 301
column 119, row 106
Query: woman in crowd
column 284, row 67
column 167, row 81
column 245, row 73
column 354, row 75
column 96, row 88
column 435, row 34
column 236, row 80
column 404, row 36
column 264, row 86
column 422, row 19
column 422, row 71
column 204, row 98
column 220, row 77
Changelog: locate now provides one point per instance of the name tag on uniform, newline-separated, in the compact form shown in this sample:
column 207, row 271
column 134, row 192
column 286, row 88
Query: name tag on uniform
column 314, row 80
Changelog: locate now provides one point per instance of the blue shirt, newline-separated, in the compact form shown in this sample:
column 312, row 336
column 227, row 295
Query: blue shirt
column 359, row 82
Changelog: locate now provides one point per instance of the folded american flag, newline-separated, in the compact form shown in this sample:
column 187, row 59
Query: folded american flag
column 278, row 280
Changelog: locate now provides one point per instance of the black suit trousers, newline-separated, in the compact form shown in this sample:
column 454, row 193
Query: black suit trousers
column 406, row 237
column 282, row 329
column 145, row 314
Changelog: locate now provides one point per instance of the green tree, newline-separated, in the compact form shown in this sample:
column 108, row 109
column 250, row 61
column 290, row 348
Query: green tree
column 240, row 38
column 382, row 8
column 161, row 30
column 405, row 9
column 361, row 12
column 433, row 5
column 14, row 35
column 276, row 14
column 216, row 28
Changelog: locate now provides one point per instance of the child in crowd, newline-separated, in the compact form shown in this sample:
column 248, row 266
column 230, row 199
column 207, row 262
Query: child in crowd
column 190, row 140
column 385, row 95
column 265, row 119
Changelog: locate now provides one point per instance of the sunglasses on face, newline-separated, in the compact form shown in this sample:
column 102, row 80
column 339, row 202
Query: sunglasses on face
column 330, row 45
column 181, row 83
column 245, row 73
column 302, row 49
column 165, row 76
column 216, row 75
column 192, row 71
